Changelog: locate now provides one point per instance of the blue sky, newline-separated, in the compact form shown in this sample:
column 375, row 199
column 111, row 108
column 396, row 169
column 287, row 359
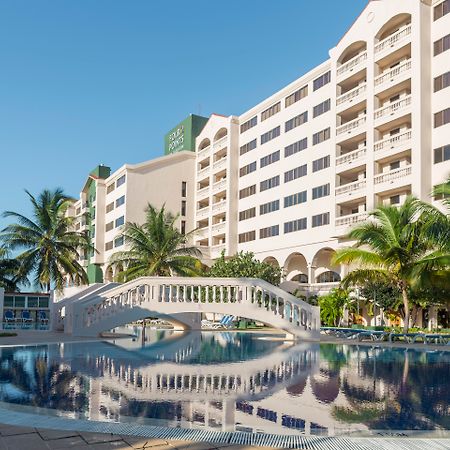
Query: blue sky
column 87, row 82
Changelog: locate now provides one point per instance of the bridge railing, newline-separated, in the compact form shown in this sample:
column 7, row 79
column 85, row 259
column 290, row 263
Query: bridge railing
column 243, row 295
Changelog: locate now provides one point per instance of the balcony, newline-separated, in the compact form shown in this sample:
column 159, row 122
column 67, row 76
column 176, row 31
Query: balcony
column 220, row 143
column 219, row 207
column 394, row 40
column 217, row 249
column 202, row 173
column 393, row 142
column 351, row 219
column 220, row 164
column 203, row 212
column 393, row 175
column 219, row 186
column 350, row 188
column 204, row 153
column 351, row 157
column 392, row 108
column 351, row 96
column 351, row 126
column 393, row 75
column 219, row 228
column 201, row 233
column 204, row 192
column 351, row 65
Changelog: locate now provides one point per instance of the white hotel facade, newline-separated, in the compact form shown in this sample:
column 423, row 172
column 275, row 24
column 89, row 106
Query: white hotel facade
column 289, row 177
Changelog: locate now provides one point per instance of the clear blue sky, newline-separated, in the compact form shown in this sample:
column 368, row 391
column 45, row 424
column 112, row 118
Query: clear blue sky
column 86, row 82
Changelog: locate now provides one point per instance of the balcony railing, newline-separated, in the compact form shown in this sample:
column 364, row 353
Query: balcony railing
column 203, row 192
column 204, row 152
column 393, row 141
column 392, row 40
column 351, row 219
column 351, row 156
column 393, row 74
column 219, row 186
column 351, row 64
column 351, row 187
column 221, row 142
column 220, row 206
column 221, row 163
column 203, row 172
column 351, row 95
column 392, row 175
column 351, row 126
column 218, row 227
column 201, row 233
column 392, row 108
column 203, row 212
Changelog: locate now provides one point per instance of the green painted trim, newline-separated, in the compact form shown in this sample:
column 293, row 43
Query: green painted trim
column 182, row 137
column 94, row 273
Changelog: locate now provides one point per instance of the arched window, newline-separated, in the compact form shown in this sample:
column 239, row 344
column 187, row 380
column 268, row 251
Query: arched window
column 328, row 277
column 300, row 278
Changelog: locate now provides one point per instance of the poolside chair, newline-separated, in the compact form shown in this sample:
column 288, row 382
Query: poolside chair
column 43, row 317
column 9, row 316
column 26, row 316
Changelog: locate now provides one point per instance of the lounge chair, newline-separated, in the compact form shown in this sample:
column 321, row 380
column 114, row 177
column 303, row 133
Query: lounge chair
column 9, row 316
column 43, row 317
column 225, row 322
column 26, row 316
column 376, row 336
column 408, row 337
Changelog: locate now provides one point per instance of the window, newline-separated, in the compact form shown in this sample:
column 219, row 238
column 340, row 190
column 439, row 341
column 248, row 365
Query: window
column 295, row 225
column 295, row 199
column 247, row 192
column 441, row 45
column 295, row 173
column 119, row 221
column 320, row 220
column 247, row 237
column 442, row 9
column 269, row 207
column 328, row 277
column 270, row 159
column 442, row 118
column 322, row 81
column 264, row 233
column 321, row 191
column 269, row 112
column 118, row 241
column 183, row 227
column 442, row 81
column 183, row 207
column 296, row 121
column 120, row 181
column 321, row 108
column 272, row 134
column 296, row 96
column 321, row 136
column 394, row 200
column 109, row 246
column 321, row 163
column 247, row 147
column 110, row 188
column 109, row 226
column 269, row 184
column 120, row 201
column 394, row 165
column 109, row 207
column 295, row 147
column 247, row 214
column 183, row 188
column 249, row 124
column 442, row 154
column 249, row 168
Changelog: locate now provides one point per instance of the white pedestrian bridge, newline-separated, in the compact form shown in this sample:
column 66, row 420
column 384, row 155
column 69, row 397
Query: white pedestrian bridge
column 102, row 307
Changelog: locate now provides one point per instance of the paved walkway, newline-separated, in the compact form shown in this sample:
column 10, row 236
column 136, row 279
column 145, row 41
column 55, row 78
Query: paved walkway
column 22, row 438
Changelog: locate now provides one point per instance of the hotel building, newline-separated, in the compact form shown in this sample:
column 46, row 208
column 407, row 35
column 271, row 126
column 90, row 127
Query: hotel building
column 289, row 177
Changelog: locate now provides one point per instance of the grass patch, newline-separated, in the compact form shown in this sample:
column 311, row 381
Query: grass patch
column 6, row 334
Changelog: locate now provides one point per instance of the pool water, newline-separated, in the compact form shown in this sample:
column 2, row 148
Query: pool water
column 232, row 382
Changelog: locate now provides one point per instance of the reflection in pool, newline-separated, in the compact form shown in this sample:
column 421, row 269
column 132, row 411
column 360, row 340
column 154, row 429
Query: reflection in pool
column 232, row 382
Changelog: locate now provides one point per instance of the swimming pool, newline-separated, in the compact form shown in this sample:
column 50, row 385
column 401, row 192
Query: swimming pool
column 232, row 382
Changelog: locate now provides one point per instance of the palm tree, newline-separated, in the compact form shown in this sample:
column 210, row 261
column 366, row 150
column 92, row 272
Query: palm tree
column 48, row 243
column 393, row 248
column 156, row 248
column 10, row 273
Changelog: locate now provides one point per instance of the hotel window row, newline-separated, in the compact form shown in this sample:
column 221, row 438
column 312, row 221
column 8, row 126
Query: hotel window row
column 269, row 112
column 249, row 124
column 442, row 9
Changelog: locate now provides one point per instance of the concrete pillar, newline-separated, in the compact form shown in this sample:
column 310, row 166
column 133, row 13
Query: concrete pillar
column 432, row 317
column 311, row 273
column 228, row 414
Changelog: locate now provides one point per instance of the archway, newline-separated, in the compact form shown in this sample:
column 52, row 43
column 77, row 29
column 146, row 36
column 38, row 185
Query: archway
column 322, row 263
column 220, row 134
column 351, row 51
column 109, row 275
column 205, row 143
column 272, row 261
column 392, row 26
column 296, row 268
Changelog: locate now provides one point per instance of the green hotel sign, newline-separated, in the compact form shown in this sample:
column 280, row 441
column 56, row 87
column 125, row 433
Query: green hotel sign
column 182, row 137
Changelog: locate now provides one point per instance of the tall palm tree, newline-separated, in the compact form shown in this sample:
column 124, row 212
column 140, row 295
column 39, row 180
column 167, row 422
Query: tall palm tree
column 393, row 248
column 10, row 273
column 49, row 246
column 156, row 248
